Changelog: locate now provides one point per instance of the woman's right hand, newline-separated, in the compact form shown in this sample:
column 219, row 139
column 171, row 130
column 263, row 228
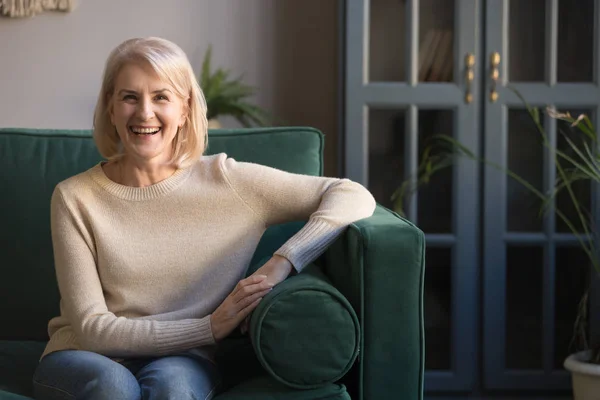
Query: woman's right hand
column 238, row 305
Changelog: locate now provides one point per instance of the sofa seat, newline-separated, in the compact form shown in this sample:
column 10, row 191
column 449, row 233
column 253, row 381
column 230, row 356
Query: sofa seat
column 267, row 388
column 4, row 395
column 18, row 360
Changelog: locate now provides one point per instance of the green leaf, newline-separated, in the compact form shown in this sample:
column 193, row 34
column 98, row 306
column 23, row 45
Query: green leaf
column 227, row 96
column 535, row 113
column 204, row 79
column 589, row 165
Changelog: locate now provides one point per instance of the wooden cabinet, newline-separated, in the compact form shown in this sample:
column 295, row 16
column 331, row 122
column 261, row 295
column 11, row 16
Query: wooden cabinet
column 502, row 283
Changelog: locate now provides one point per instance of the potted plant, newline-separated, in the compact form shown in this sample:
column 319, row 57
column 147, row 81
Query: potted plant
column 583, row 164
column 228, row 96
column 579, row 162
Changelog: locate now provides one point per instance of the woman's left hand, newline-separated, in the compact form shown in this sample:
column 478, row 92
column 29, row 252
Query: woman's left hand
column 277, row 269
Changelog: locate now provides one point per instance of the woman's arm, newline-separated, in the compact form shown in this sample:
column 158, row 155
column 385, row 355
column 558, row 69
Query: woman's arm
column 329, row 205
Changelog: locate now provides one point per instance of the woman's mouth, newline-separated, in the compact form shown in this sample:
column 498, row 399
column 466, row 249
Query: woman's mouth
column 144, row 131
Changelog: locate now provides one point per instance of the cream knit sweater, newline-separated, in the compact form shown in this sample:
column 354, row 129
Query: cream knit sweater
column 140, row 270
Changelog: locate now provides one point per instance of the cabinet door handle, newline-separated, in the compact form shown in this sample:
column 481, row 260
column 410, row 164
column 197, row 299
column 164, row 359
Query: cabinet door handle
column 469, row 76
column 494, row 75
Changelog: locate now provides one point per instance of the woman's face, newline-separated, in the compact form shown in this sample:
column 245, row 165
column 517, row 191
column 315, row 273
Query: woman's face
column 146, row 113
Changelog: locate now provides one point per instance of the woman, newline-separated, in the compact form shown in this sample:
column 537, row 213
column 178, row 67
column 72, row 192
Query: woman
column 151, row 246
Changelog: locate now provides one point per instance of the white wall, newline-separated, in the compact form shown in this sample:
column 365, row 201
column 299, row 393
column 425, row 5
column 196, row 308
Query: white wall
column 51, row 65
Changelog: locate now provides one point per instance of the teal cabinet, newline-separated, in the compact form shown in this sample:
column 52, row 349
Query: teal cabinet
column 502, row 283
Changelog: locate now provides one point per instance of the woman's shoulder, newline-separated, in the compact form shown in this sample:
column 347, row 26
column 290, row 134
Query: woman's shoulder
column 209, row 159
column 78, row 182
column 212, row 163
column 224, row 162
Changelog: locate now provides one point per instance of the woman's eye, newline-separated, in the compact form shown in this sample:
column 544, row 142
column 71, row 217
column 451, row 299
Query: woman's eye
column 129, row 97
column 161, row 97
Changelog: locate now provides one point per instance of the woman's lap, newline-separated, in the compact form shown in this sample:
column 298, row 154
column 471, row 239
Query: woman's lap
column 78, row 374
column 178, row 377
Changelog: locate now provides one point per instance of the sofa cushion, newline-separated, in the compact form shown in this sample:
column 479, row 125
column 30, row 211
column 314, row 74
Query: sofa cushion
column 237, row 360
column 305, row 333
column 33, row 163
column 35, row 160
column 18, row 361
column 12, row 396
column 267, row 388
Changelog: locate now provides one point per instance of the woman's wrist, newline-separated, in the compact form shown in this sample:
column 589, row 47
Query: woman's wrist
column 277, row 269
column 214, row 329
column 283, row 262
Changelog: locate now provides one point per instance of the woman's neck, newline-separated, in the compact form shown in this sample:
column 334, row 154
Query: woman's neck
column 130, row 173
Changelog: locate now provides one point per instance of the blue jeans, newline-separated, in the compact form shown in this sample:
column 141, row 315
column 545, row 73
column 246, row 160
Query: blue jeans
column 78, row 374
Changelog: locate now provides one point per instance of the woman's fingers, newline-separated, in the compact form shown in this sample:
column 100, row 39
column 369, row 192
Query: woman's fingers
column 248, row 300
column 239, row 304
column 249, row 281
column 246, row 311
column 251, row 289
column 244, row 326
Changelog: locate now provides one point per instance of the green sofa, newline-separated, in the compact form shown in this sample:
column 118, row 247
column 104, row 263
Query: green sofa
column 377, row 265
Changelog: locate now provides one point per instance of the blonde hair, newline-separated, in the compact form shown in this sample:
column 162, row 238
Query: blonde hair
column 171, row 64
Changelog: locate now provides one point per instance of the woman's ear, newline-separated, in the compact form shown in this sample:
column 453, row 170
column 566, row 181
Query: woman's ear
column 186, row 112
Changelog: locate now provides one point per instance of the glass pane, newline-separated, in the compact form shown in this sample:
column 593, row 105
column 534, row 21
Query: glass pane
column 572, row 273
column 436, row 40
column 527, row 44
column 581, row 189
column 438, row 312
column 575, row 40
column 435, row 198
column 386, row 153
column 526, row 159
column 387, row 40
column 524, row 278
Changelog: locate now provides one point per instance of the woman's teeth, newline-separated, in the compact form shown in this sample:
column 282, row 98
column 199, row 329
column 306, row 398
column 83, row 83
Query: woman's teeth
column 145, row 131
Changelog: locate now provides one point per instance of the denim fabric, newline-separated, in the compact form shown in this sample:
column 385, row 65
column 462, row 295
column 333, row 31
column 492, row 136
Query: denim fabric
column 78, row 374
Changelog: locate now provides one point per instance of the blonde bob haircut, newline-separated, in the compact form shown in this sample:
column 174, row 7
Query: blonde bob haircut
column 171, row 65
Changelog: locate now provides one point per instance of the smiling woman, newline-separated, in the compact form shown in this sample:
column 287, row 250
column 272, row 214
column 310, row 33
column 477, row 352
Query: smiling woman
column 151, row 246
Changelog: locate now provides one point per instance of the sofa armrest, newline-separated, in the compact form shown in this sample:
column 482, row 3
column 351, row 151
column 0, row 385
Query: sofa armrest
column 379, row 265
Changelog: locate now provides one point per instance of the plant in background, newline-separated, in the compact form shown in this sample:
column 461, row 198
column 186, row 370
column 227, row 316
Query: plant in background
column 578, row 163
column 227, row 96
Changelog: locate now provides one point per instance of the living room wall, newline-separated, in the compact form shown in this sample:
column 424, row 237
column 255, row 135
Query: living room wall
column 51, row 64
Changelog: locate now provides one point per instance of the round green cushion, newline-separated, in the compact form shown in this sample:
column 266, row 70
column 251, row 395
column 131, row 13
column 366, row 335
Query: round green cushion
column 305, row 333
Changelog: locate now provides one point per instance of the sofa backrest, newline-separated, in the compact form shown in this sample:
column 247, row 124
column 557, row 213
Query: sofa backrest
column 33, row 161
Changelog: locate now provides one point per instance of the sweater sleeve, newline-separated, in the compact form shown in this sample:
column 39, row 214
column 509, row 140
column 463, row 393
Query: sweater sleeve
column 96, row 328
column 328, row 204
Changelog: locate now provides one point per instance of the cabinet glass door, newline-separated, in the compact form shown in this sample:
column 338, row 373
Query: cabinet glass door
column 534, row 272
column 411, row 73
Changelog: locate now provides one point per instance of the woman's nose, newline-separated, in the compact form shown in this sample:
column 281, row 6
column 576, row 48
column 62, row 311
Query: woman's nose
column 144, row 110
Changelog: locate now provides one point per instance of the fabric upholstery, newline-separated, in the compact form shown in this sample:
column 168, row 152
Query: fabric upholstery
column 18, row 360
column 379, row 266
column 305, row 333
column 267, row 388
column 5, row 395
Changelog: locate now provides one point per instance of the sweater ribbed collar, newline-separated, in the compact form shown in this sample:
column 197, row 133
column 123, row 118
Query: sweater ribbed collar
column 139, row 193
